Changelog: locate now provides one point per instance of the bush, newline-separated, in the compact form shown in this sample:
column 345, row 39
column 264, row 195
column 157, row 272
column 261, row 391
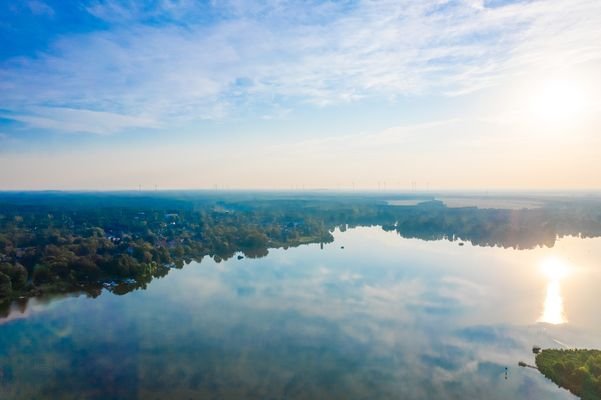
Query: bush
column 41, row 274
column 5, row 285
column 17, row 274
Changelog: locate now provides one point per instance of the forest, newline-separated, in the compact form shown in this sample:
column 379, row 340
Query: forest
column 57, row 242
column 579, row 371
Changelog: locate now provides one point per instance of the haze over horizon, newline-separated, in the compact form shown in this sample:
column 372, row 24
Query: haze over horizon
column 466, row 94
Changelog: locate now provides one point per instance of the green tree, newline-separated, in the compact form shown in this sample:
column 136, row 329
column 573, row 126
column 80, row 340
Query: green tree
column 41, row 274
column 5, row 286
column 17, row 274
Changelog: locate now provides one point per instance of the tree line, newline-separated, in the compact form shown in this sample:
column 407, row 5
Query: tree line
column 61, row 243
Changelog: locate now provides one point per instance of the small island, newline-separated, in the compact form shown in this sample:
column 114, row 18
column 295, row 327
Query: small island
column 579, row 371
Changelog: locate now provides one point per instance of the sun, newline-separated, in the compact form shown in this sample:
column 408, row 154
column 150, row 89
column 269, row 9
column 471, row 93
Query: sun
column 558, row 101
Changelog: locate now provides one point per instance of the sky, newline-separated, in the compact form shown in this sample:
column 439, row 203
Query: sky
column 277, row 94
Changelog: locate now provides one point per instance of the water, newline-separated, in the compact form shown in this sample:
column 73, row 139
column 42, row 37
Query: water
column 385, row 317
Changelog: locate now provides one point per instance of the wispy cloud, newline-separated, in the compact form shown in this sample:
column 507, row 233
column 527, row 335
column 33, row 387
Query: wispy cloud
column 77, row 121
column 281, row 53
column 127, row 11
column 40, row 8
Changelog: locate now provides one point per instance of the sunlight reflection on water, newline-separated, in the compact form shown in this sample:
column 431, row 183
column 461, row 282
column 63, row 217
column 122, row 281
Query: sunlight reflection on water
column 385, row 317
column 553, row 311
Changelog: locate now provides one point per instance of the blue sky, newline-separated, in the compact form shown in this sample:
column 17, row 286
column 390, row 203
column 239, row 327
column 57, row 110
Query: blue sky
column 281, row 94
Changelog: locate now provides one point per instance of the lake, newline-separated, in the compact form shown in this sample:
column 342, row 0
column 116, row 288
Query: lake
column 384, row 317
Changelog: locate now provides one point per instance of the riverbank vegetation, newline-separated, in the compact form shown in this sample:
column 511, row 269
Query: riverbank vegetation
column 579, row 371
column 65, row 242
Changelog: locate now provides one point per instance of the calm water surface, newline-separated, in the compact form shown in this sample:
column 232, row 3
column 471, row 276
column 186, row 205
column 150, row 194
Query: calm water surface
column 385, row 317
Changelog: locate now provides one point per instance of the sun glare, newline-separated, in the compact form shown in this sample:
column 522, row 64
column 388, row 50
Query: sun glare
column 558, row 101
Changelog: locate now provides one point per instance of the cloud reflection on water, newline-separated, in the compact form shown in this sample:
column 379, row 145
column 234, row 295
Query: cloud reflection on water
column 370, row 321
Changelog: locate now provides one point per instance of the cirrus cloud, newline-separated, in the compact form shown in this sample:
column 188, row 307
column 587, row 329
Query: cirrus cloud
column 159, row 61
